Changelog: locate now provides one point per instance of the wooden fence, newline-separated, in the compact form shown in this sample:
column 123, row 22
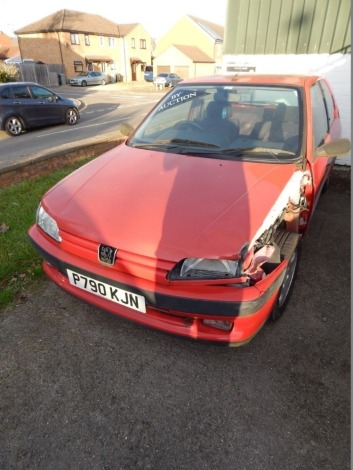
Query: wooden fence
column 45, row 74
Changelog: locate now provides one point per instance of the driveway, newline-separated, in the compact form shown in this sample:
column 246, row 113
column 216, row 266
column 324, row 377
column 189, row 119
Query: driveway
column 84, row 390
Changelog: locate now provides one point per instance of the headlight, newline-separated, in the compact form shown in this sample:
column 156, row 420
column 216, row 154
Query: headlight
column 47, row 224
column 202, row 268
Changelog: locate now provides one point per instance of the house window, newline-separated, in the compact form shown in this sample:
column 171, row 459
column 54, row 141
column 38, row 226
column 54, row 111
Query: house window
column 133, row 43
column 142, row 43
column 111, row 42
column 101, row 40
column 87, row 43
column 78, row 66
column 75, row 38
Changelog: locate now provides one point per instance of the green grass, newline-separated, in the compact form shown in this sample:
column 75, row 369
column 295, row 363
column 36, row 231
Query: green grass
column 20, row 264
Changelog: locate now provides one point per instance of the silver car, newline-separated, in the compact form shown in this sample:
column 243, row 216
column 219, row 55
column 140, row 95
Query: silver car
column 88, row 78
column 167, row 79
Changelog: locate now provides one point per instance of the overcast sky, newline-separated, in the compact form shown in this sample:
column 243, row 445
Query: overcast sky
column 156, row 16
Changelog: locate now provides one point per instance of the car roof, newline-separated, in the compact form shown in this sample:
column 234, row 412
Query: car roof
column 20, row 83
column 254, row 78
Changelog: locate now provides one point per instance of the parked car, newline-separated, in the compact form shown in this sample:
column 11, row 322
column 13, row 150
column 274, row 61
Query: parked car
column 88, row 78
column 148, row 74
column 167, row 79
column 26, row 105
column 229, row 171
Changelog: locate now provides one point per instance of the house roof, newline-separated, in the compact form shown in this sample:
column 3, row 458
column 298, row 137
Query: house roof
column 79, row 22
column 194, row 53
column 216, row 31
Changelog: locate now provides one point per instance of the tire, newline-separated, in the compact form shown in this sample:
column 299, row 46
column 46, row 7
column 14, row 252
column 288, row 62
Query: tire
column 71, row 117
column 83, row 83
column 103, row 82
column 290, row 248
column 14, row 126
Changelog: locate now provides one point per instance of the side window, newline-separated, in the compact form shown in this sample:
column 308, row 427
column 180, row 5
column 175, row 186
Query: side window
column 40, row 93
column 320, row 121
column 5, row 93
column 330, row 105
column 22, row 92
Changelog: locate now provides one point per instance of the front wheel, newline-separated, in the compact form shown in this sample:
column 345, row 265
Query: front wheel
column 103, row 82
column 71, row 117
column 83, row 83
column 290, row 248
column 14, row 126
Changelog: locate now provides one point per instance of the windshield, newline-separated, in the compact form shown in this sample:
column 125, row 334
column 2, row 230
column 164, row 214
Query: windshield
column 225, row 121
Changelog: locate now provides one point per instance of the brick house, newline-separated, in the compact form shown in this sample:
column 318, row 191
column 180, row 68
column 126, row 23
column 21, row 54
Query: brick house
column 82, row 41
column 192, row 47
column 8, row 47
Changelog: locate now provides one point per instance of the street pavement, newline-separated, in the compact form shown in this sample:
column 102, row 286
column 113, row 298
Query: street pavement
column 9, row 164
column 84, row 390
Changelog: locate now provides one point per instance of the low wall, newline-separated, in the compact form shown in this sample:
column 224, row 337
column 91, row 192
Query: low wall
column 49, row 163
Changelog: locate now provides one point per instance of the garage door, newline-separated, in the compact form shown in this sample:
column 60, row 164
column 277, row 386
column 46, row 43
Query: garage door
column 163, row 69
column 182, row 70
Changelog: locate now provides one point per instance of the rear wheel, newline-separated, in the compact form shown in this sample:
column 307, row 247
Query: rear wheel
column 71, row 117
column 103, row 82
column 290, row 248
column 14, row 126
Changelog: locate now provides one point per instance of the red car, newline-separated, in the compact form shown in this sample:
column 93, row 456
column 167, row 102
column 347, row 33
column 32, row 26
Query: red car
column 194, row 224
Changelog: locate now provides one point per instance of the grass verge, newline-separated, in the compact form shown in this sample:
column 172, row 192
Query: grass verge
column 20, row 264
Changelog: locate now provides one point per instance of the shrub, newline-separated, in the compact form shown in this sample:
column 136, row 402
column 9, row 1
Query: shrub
column 8, row 72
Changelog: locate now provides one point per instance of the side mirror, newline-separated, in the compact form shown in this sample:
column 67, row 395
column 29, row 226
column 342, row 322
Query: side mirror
column 336, row 148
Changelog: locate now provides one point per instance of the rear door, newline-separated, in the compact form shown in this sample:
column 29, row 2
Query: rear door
column 24, row 105
column 95, row 78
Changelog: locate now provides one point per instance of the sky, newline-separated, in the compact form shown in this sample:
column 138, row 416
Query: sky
column 156, row 16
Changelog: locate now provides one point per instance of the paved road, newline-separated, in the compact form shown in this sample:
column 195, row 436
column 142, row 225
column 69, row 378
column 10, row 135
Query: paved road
column 83, row 390
column 102, row 109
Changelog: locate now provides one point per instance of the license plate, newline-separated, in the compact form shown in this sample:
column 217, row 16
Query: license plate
column 102, row 289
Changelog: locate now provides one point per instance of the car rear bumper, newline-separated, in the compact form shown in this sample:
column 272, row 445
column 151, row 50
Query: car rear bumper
column 177, row 310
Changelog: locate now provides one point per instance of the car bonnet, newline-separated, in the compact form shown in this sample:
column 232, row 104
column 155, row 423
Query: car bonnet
column 167, row 205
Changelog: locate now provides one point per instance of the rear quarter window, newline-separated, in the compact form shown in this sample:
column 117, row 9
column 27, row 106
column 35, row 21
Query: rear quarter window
column 330, row 105
column 319, row 114
column 5, row 93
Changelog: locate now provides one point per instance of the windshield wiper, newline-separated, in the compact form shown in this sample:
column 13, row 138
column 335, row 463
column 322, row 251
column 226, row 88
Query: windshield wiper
column 194, row 142
column 174, row 143
column 238, row 152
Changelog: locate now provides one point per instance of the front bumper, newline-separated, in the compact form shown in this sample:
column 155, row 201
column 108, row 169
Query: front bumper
column 175, row 309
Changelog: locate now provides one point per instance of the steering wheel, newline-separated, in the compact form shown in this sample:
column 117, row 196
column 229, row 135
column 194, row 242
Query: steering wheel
column 184, row 125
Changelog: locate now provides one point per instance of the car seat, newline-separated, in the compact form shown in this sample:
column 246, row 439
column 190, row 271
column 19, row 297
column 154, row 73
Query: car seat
column 217, row 121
